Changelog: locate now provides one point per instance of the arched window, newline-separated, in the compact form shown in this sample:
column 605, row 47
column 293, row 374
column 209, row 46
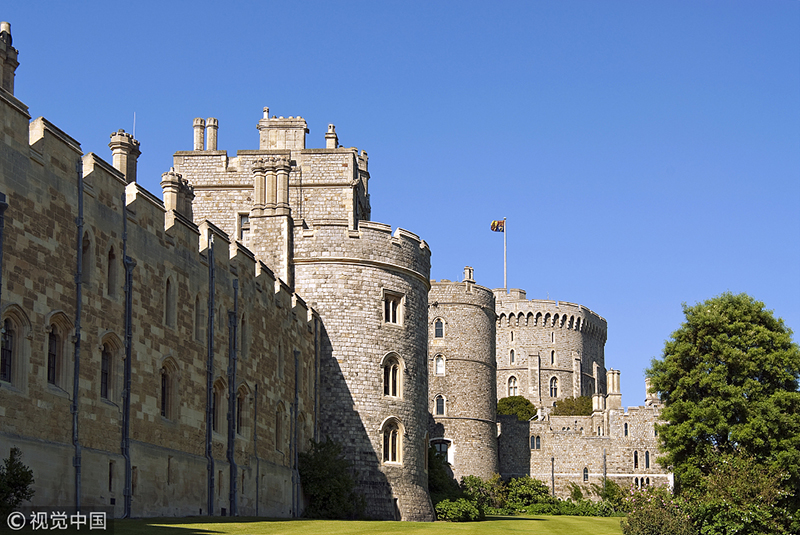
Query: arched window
column 198, row 319
column 392, row 442
column 112, row 278
column 512, row 386
column 54, row 355
column 9, row 350
column 438, row 329
column 439, row 364
column 169, row 303
column 647, row 481
column 217, row 405
column 440, row 405
column 511, row 357
column 279, row 438
column 105, row 372
column 636, row 459
column 169, row 389
column 552, row 357
column 626, row 429
column 536, row 443
column 86, row 258
column 636, row 482
column 391, row 377
column 586, row 474
column 647, row 459
column 554, row 387
column 241, row 410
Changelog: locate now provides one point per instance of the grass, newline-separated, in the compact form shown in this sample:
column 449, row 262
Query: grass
column 493, row 525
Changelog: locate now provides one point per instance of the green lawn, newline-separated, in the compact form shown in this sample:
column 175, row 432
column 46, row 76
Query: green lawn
column 540, row 525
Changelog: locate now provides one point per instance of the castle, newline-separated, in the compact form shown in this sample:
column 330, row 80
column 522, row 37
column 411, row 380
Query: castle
column 173, row 357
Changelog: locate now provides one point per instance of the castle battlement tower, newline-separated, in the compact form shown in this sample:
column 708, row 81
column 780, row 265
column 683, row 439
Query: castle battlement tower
column 305, row 214
column 548, row 350
column 462, row 370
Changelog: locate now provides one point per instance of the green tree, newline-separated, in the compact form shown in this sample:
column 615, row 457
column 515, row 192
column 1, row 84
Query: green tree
column 579, row 406
column 729, row 382
column 518, row 406
column 328, row 482
column 15, row 482
column 441, row 483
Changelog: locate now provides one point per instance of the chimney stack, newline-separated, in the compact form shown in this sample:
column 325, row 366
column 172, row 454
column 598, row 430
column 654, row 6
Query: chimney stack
column 125, row 153
column 211, row 133
column 199, row 133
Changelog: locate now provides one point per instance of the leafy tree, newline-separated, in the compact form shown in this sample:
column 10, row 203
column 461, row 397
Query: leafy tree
column 611, row 493
column 524, row 491
column 518, row 406
column 729, row 382
column 328, row 483
column 579, row 406
column 486, row 494
column 15, row 482
column 653, row 511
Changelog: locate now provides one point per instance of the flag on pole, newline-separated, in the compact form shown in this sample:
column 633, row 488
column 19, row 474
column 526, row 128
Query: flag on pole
column 499, row 226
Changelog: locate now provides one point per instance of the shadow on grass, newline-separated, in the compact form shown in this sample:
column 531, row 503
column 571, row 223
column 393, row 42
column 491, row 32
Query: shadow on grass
column 178, row 526
column 511, row 517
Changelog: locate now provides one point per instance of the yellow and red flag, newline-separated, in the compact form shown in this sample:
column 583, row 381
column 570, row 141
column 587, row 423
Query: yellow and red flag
column 499, row 226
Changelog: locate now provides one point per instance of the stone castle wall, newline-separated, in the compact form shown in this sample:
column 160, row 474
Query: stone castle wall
column 346, row 267
column 549, row 339
column 169, row 467
column 461, row 367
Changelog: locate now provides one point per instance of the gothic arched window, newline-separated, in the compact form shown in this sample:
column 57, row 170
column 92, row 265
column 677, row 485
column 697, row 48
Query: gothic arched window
column 438, row 329
column 554, row 387
column 439, row 365
column 512, row 386
column 391, row 377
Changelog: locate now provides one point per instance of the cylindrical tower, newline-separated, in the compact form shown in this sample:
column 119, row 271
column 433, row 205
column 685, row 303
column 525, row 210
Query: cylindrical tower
column 548, row 350
column 370, row 288
column 462, row 375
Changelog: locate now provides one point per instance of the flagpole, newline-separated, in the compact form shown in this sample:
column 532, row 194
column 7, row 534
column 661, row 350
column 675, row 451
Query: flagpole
column 505, row 255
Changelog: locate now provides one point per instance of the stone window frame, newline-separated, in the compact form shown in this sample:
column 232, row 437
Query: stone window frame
column 15, row 328
column 536, row 442
column 393, row 307
column 513, row 386
column 554, row 387
column 647, row 459
column 241, row 415
column 112, row 355
column 280, row 435
column 438, row 328
column 58, row 349
column 393, row 369
column 219, row 399
column 171, row 301
column 439, row 405
column 585, row 474
column 242, row 226
column 392, row 431
column 169, row 395
column 436, row 369
column 635, row 459
column 512, row 358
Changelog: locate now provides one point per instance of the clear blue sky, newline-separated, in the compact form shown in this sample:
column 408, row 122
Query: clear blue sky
column 645, row 153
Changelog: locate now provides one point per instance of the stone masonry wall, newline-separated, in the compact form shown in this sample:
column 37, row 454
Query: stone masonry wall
column 466, row 378
column 549, row 339
column 169, row 466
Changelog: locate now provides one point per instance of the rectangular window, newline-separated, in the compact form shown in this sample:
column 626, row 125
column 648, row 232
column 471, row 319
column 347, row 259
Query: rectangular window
column 392, row 307
column 244, row 226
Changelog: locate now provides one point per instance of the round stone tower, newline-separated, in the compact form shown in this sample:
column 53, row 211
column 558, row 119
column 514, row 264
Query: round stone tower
column 461, row 369
column 548, row 350
column 370, row 287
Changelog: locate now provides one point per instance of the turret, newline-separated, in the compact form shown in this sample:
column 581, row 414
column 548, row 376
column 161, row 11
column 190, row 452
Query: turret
column 651, row 398
column 125, row 153
column 331, row 139
column 8, row 58
column 178, row 194
column 614, row 398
